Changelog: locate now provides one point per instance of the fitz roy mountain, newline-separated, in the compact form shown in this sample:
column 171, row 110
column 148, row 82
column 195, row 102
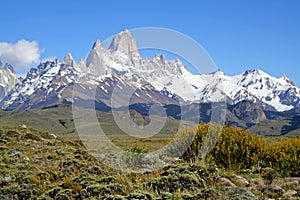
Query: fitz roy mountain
column 150, row 80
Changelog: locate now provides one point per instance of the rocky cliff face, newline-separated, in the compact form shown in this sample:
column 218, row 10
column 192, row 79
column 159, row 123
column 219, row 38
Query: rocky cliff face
column 249, row 112
column 124, row 43
column 8, row 79
column 95, row 60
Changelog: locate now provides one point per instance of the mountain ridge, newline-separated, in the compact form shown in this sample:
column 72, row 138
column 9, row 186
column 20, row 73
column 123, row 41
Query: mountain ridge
column 105, row 69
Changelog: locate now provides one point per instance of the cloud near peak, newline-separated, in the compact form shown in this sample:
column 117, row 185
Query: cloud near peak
column 20, row 55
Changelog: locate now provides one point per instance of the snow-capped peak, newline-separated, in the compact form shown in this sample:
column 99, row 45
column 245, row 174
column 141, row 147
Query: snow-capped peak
column 8, row 79
column 81, row 62
column 68, row 59
column 254, row 72
column 287, row 79
column 218, row 72
column 124, row 31
column 9, row 67
column 122, row 62
column 161, row 58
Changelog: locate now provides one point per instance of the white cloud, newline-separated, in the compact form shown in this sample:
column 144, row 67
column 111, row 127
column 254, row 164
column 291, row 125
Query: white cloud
column 20, row 55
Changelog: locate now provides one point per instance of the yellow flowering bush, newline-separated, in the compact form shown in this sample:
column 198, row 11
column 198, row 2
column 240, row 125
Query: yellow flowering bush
column 235, row 148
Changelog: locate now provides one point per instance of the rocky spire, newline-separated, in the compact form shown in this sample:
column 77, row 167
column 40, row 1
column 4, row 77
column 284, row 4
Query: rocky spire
column 81, row 62
column 163, row 58
column 123, row 42
column 8, row 79
column 80, row 66
column 97, row 44
column 95, row 61
column 68, row 59
column 9, row 67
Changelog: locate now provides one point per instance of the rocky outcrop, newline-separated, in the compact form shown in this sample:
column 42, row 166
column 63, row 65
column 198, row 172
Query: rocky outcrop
column 8, row 79
column 124, row 43
column 249, row 112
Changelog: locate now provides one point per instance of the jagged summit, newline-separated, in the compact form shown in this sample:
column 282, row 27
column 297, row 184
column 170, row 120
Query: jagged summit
column 81, row 62
column 9, row 67
column 95, row 61
column 81, row 66
column 218, row 72
column 253, row 72
column 97, row 44
column 287, row 79
column 51, row 81
column 124, row 31
column 124, row 42
column 161, row 58
column 68, row 59
column 8, row 79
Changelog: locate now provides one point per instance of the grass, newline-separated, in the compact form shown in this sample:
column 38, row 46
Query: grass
column 269, row 127
column 55, row 168
column 58, row 168
column 46, row 120
column 59, row 120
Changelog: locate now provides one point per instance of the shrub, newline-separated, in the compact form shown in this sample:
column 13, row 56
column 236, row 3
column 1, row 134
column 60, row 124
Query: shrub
column 31, row 136
column 134, row 156
column 37, row 181
column 284, row 156
column 68, row 184
column 235, row 148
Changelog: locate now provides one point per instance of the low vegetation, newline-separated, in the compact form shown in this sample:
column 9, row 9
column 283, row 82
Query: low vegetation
column 39, row 165
column 238, row 149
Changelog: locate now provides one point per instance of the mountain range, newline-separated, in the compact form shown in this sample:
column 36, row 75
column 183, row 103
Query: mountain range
column 148, row 80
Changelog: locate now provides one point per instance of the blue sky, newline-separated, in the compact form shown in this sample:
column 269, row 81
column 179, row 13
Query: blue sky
column 238, row 34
